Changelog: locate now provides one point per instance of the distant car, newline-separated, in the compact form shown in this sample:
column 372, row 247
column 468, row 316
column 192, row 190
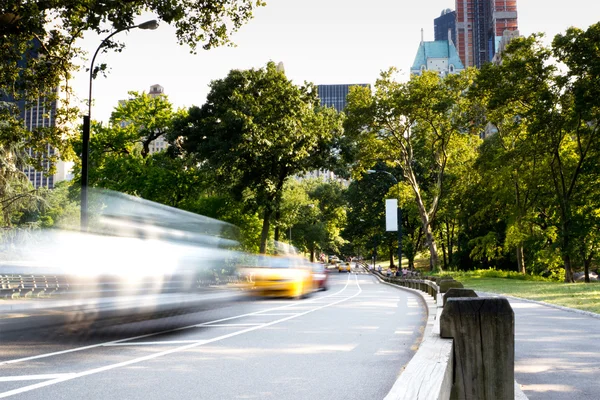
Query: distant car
column 333, row 259
column 320, row 277
column 344, row 267
column 277, row 276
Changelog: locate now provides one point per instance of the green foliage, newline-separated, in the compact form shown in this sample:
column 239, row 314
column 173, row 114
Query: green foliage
column 53, row 208
column 38, row 43
column 546, row 153
column 224, row 208
column 16, row 192
column 413, row 126
column 494, row 273
column 315, row 213
column 255, row 130
column 120, row 156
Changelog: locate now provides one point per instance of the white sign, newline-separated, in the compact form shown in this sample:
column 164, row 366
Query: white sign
column 391, row 215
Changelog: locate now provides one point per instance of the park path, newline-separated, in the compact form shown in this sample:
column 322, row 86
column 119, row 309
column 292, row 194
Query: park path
column 557, row 353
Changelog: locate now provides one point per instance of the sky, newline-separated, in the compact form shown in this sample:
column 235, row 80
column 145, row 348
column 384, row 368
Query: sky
column 319, row 41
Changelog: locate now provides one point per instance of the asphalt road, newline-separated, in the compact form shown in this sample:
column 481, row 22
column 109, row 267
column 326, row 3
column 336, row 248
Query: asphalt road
column 349, row 342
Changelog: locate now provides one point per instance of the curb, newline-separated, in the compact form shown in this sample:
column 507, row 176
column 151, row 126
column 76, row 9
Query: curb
column 431, row 308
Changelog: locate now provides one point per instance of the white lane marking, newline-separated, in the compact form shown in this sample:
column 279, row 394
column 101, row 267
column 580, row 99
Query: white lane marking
column 93, row 346
column 281, row 313
column 32, row 377
column 166, row 342
column 234, row 325
column 167, row 352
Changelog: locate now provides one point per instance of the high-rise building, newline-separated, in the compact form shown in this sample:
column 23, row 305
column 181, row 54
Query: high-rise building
column 480, row 26
column 445, row 24
column 505, row 40
column 40, row 114
column 336, row 95
column 439, row 56
column 331, row 96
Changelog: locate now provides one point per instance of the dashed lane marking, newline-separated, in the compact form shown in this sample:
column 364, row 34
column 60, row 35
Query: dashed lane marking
column 165, row 342
column 175, row 350
column 19, row 360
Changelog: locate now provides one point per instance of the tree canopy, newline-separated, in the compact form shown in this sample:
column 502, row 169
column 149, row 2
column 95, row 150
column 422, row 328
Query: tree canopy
column 255, row 130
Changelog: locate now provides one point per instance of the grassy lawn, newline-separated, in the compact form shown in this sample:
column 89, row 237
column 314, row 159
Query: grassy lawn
column 581, row 296
column 575, row 295
column 421, row 263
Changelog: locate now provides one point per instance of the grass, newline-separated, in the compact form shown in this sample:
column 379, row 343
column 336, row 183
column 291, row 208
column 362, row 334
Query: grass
column 421, row 262
column 581, row 296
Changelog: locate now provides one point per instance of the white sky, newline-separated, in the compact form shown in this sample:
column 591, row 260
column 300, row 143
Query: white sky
column 320, row 41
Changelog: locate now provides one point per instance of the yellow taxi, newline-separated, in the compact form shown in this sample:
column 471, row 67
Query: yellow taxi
column 344, row 267
column 278, row 276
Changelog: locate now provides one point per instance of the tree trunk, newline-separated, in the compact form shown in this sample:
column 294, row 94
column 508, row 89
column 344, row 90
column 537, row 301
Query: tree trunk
column 451, row 244
column 433, row 256
column 568, row 271
column 586, row 267
column 444, row 253
column 312, row 253
column 264, row 235
column 276, row 233
column 521, row 259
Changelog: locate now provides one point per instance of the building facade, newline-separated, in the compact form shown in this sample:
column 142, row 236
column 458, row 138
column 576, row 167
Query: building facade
column 160, row 143
column 480, row 26
column 439, row 56
column 336, row 95
column 445, row 24
column 331, row 96
column 40, row 114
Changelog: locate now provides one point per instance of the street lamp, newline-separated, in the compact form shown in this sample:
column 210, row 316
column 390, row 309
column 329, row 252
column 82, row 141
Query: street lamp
column 85, row 150
column 399, row 214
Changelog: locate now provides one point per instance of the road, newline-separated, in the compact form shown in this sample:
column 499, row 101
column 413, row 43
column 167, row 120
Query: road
column 349, row 342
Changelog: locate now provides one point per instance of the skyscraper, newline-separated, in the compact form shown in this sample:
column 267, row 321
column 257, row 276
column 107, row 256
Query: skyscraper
column 443, row 24
column 335, row 95
column 42, row 115
column 38, row 115
column 480, row 26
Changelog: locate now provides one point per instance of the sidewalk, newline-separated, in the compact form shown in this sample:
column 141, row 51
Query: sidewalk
column 557, row 354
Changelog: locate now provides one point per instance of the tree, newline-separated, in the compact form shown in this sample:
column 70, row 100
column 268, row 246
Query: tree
column 547, row 119
column 38, row 47
column 413, row 126
column 255, row 130
column 146, row 117
column 16, row 192
column 365, row 227
column 120, row 159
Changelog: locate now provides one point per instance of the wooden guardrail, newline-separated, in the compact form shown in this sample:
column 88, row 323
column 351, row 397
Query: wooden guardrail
column 467, row 351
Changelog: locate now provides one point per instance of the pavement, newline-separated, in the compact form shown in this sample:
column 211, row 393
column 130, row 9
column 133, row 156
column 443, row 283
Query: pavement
column 556, row 351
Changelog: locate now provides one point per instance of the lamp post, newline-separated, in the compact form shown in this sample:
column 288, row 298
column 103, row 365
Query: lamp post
column 399, row 214
column 85, row 148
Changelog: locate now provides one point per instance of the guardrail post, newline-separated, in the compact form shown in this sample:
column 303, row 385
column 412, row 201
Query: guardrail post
column 483, row 330
column 446, row 284
column 458, row 292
